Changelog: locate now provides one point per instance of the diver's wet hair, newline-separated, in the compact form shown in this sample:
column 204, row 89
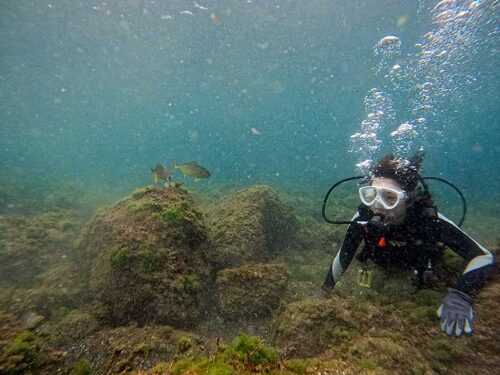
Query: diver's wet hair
column 406, row 173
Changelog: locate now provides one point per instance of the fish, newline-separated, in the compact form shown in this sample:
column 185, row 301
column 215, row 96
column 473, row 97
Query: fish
column 192, row 169
column 161, row 173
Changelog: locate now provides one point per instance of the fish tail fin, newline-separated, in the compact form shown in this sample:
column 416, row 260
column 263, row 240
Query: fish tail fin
column 155, row 177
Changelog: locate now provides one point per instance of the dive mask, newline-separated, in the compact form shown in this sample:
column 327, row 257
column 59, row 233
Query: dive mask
column 389, row 198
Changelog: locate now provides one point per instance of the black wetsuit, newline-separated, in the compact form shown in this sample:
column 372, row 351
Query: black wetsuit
column 410, row 245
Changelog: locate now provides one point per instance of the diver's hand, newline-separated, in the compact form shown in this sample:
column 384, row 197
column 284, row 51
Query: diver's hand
column 456, row 313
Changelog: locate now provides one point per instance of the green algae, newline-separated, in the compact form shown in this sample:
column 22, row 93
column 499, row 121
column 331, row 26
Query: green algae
column 23, row 354
column 423, row 314
column 161, row 368
column 366, row 364
column 170, row 215
column 66, row 197
column 428, row 297
column 143, row 260
column 142, row 349
column 30, row 246
column 143, row 207
column 124, row 365
column 74, row 327
column 307, row 327
column 245, row 354
column 443, row 351
column 184, row 344
column 342, row 330
column 251, row 352
column 251, row 291
column 298, row 366
column 249, row 225
column 201, row 366
column 119, row 256
column 81, row 367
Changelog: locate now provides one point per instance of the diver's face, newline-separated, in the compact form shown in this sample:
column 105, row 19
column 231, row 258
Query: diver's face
column 395, row 214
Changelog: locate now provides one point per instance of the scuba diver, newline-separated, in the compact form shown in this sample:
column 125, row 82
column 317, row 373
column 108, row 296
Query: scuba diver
column 400, row 226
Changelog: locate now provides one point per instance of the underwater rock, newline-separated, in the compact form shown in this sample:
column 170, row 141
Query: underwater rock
column 54, row 292
column 251, row 225
column 251, row 292
column 386, row 353
column 73, row 328
column 27, row 353
column 115, row 350
column 65, row 197
column 245, row 354
column 31, row 245
column 30, row 320
column 308, row 327
column 145, row 258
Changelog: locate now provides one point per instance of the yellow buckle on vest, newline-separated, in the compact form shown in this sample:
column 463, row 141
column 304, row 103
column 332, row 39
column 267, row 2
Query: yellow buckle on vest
column 365, row 278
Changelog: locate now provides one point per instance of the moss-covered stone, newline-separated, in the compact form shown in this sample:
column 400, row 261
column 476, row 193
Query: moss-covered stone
column 81, row 367
column 201, row 366
column 22, row 355
column 146, row 260
column 30, row 246
column 184, row 344
column 74, row 327
column 308, row 327
column 386, row 353
column 65, row 197
column 251, row 352
column 251, row 225
column 366, row 364
column 55, row 292
column 112, row 350
column 245, row 354
column 298, row 366
column 428, row 297
column 251, row 292
column 443, row 351
column 161, row 368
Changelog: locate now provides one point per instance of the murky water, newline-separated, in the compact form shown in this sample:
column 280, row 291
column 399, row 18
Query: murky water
column 99, row 100
column 94, row 94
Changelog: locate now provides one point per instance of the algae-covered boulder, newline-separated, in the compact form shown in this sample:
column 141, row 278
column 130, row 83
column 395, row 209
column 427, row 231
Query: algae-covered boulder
column 308, row 327
column 251, row 225
column 26, row 353
column 75, row 326
column 31, row 245
column 124, row 349
column 145, row 258
column 57, row 291
column 250, row 292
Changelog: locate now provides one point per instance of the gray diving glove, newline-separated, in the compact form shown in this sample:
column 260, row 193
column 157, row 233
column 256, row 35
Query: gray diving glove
column 456, row 313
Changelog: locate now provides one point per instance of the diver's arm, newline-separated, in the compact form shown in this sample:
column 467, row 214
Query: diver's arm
column 480, row 260
column 352, row 239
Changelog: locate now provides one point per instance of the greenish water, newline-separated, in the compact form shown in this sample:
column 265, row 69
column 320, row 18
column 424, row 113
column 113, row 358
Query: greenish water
column 109, row 275
column 94, row 94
